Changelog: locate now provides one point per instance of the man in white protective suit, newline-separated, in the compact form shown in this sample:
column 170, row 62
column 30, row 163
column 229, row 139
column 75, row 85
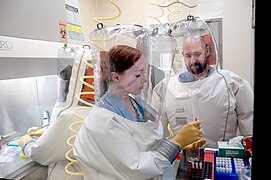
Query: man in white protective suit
column 122, row 136
column 222, row 100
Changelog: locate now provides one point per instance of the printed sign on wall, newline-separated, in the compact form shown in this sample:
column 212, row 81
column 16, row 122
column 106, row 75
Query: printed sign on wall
column 63, row 37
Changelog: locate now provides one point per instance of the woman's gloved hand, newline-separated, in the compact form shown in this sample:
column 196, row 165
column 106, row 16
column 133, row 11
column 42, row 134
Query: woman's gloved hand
column 189, row 136
column 24, row 139
column 39, row 132
column 32, row 132
column 195, row 145
column 32, row 129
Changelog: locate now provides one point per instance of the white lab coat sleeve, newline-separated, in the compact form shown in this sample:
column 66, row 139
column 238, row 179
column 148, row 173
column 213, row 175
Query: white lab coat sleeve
column 111, row 149
column 244, row 105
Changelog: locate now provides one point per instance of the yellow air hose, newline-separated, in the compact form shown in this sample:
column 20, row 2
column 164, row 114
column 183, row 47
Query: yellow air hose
column 162, row 12
column 86, row 105
column 100, row 19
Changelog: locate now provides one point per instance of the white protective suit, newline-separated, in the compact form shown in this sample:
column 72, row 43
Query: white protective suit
column 51, row 147
column 220, row 112
column 102, row 129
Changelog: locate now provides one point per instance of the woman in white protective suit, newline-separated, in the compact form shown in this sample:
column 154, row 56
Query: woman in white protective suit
column 222, row 100
column 51, row 147
column 122, row 136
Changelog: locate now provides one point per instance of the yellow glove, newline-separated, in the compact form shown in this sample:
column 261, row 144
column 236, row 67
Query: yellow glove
column 39, row 132
column 195, row 145
column 32, row 129
column 189, row 136
column 24, row 139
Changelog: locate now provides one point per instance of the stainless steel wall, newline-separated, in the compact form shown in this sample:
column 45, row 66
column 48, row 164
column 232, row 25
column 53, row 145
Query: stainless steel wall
column 23, row 101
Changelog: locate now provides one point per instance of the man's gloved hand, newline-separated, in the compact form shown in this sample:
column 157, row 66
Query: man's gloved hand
column 189, row 136
column 24, row 139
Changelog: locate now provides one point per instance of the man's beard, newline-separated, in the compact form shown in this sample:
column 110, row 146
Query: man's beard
column 197, row 68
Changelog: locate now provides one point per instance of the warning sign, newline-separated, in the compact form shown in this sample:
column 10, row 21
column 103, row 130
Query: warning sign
column 63, row 37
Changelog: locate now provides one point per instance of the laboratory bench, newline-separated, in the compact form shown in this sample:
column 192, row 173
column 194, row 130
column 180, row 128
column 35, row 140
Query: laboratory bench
column 207, row 166
column 13, row 165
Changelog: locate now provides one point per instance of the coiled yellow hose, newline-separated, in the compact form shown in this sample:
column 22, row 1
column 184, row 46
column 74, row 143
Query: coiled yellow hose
column 100, row 19
column 162, row 12
column 88, row 105
column 171, row 12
